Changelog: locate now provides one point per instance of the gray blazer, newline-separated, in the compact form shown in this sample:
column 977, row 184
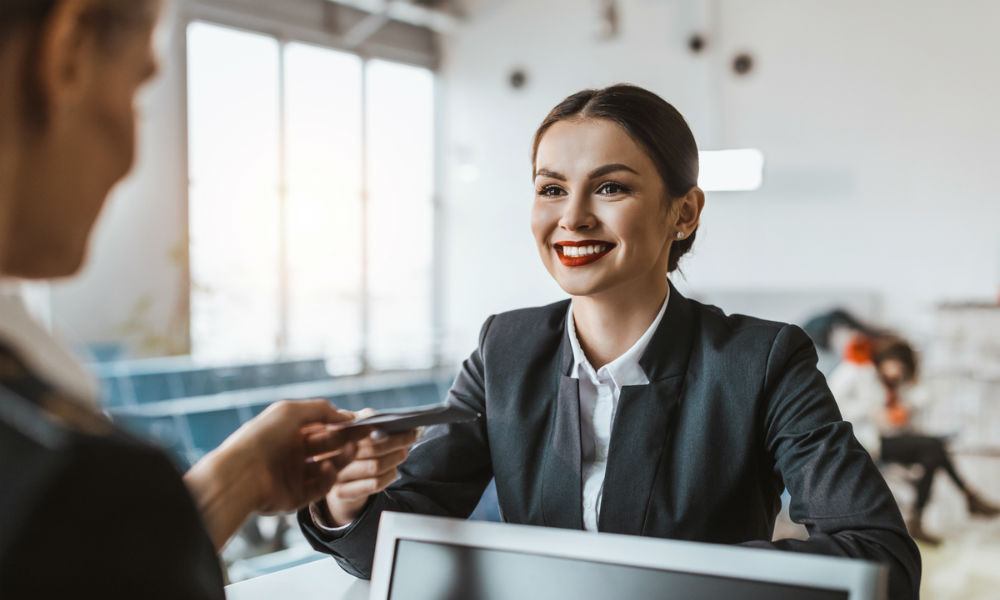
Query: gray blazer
column 734, row 413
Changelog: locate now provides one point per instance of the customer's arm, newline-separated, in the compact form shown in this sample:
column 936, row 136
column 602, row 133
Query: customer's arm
column 445, row 474
column 283, row 459
column 836, row 490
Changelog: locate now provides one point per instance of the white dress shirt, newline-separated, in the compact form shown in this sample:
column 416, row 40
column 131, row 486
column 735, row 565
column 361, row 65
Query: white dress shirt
column 599, row 394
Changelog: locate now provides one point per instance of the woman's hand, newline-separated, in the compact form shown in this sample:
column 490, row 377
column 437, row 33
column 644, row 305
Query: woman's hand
column 281, row 460
column 371, row 471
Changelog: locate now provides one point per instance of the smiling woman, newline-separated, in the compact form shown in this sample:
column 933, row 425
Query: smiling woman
column 629, row 408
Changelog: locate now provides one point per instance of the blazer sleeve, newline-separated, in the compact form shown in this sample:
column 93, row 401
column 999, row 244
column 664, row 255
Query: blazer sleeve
column 836, row 490
column 445, row 475
column 115, row 522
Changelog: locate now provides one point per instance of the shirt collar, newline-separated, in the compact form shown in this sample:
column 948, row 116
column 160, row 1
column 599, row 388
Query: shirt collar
column 624, row 370
column 41, row 353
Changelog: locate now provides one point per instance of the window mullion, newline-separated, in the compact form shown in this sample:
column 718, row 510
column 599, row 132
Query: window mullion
column 283, row 266
column 365, row 238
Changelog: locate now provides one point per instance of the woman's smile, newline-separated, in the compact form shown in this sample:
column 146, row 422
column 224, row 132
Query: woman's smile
column 584, row 252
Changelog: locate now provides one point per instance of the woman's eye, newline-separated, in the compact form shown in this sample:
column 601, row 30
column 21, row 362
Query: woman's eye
column 550, row 190
column 612, row 189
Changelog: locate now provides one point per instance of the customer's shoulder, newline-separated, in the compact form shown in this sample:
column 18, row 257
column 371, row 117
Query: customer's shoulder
column 56, row 433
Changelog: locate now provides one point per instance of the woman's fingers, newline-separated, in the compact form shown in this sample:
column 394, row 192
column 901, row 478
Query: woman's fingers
column 364, row 413
column 319, row 477
column 371, row 468
column 338, row 458
column 371, row 448
column 305, row 412
column 362, row 488
column 322, row 440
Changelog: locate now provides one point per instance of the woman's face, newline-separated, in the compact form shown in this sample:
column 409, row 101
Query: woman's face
column 893, row 372
column 87, row 145
column 600, row 216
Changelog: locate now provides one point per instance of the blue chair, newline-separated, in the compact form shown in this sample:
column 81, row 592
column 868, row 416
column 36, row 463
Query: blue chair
column 209, row 429
column 165, row 431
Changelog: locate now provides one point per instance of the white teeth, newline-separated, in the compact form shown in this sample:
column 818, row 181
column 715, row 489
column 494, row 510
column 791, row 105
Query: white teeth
column 577, row 251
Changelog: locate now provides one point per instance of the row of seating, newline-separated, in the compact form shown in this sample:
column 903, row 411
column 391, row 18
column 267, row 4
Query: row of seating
column 128, row 383
column 189, row 427
column 188, row 410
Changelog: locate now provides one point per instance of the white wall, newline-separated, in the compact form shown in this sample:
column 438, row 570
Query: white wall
column 491, row 261
column 877, row 120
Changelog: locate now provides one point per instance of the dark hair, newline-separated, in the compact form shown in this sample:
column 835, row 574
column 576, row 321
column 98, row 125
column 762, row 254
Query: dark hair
column 16, row 12
column 108, row 19
column 653, row 123
column 896, row 348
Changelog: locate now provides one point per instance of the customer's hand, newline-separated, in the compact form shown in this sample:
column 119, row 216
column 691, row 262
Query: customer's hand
column 295, row 452
column 281, row 460
column 371, row 471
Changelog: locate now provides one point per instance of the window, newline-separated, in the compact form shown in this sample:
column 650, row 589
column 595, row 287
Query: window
column 311, row 203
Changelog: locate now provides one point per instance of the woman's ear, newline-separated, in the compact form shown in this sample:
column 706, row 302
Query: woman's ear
column 64, row 59
column 688, row 212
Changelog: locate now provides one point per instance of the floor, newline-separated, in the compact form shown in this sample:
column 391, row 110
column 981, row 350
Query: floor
column 966, row 566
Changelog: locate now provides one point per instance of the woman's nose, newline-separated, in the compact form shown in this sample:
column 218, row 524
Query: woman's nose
column 577, row 214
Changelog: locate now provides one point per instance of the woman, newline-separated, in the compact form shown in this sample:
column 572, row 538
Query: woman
column 870, row 386
column 88, row 511
column 630, row 408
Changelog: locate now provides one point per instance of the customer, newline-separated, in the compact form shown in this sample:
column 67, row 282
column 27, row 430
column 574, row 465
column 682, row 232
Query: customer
column 871, row 387
column 629, row 408
column 85, row 510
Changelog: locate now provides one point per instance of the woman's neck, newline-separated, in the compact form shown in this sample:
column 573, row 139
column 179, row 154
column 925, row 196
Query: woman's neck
column 609, row 323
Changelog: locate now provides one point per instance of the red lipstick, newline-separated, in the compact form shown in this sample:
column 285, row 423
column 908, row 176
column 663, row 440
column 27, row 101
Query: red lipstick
column 584, row 252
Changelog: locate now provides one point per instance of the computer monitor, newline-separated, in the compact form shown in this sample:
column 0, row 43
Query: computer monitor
column 432, row 558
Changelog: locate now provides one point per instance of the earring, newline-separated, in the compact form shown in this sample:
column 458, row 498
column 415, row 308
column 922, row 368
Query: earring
column 680, row 235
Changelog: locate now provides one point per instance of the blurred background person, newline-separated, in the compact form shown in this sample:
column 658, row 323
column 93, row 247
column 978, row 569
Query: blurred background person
column 871, row 385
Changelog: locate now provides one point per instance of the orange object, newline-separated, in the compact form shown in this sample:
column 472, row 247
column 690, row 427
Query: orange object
column 858, row 350
column 898, row 415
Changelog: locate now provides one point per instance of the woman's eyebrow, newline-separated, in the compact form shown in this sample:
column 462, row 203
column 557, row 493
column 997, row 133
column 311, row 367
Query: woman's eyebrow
column 606, row 169
column 548, row 173
column 598, row 172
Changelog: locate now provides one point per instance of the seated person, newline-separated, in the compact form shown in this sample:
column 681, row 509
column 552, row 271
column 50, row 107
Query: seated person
column 87, row 511
column 831, row 331
column 870, row 385
column 629, row 408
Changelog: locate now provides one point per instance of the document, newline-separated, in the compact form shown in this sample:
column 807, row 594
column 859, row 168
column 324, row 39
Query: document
column 396, row 420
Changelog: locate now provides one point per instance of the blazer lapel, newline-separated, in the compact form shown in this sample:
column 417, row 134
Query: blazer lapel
column 562, row 487
column 644, row 422
column 640, row 432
